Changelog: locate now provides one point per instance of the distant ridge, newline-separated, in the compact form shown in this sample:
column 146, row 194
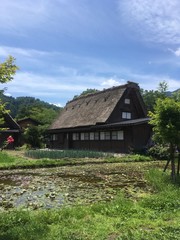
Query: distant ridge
column 15, row 104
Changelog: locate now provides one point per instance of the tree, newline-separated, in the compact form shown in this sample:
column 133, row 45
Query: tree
column 166, row 127
column 86, row 92
column 32, row 137
column 7, row 71
column 150, row 96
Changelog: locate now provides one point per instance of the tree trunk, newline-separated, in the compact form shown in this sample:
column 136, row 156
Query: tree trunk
column 173, row 169
column 168, row 161
column 178, row 166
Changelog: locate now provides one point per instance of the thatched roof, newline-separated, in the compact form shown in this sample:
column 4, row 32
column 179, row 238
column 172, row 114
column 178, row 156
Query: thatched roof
column 91, row 109
column 9, row 123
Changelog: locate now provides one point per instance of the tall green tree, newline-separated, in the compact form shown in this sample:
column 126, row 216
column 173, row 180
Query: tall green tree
column 7, row 71
column 166, row 127
column 150, row 96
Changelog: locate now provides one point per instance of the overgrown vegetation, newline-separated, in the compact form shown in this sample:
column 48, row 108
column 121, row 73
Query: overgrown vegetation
column 166, row 128
column 7, row 71
column 155, row 216
column 58, row 154
column 40, row 158
column 159, row 151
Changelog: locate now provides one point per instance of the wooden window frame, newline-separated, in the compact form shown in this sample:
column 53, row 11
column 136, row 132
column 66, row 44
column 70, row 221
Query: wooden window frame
column 75, row 136
column 54, row 137
column 126, row 115
column 127, row 101
column 117, row 135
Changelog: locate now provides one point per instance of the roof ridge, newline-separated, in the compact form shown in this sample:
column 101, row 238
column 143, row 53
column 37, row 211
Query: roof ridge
column 105, row 90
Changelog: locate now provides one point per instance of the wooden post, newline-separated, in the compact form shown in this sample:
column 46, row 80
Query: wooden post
column 173, row 170
column 178, row 166
column 167, row 165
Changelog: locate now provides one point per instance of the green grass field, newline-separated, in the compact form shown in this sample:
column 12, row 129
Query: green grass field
column 156, row 215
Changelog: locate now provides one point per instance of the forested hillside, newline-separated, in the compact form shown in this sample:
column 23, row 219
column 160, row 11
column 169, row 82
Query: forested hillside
column 22, row 107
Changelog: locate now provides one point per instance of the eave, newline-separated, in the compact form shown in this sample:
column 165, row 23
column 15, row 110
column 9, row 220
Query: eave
column 104, row 126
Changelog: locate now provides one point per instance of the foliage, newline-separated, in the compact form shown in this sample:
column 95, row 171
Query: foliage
column 22, row 107
column 166, row 126
column 16, row 159
column 86, row 92
column 9, row 161
column 150, row 96
column 159, row 151
column 136, row 158
column 7, row 70
column 176, row 95
column 57, row 154
column 166, row 192
column 32, row 137
column 5, row 158
column 152, row 218
column 165, row 121
column 2, row 112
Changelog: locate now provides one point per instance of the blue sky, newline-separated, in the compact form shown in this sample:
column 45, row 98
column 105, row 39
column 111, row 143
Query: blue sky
column 64, row 47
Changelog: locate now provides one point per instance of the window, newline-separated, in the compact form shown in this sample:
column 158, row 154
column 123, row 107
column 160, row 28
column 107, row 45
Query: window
column 105, row 136
column 75, row 136
column 84, row 136
column 54, row 137
column 91, row 136
column 102, row 136
column 96, row 136
column 126, row 115
column 127, row 101
column 117, row 135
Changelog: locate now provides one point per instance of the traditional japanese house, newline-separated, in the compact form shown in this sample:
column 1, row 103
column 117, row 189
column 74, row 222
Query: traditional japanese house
column 113, row 120
column 27, row 122
column 9, row 127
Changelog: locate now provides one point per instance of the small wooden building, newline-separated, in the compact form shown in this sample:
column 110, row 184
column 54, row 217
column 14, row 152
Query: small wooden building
column 10, row 128
column 26, row 122
column 113, row 120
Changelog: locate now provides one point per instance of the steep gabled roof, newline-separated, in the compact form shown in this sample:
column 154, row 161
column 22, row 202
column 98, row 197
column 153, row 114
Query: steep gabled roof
column 10, row 123
column 28, row 119
column 91, row 109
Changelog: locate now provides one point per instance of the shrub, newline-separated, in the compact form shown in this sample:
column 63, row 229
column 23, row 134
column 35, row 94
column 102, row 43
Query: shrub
column 32, row 137
column 159, row 151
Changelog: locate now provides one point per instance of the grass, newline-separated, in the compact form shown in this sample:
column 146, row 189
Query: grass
column 39, row 158
column 156, row 216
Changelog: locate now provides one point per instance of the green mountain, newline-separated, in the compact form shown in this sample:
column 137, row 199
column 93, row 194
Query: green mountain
column 22, row 107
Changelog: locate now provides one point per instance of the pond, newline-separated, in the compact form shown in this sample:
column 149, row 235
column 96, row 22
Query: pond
column 63, row 186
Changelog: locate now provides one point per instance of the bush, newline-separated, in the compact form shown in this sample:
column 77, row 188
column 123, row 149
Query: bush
column 159, row 151
column 32, row 137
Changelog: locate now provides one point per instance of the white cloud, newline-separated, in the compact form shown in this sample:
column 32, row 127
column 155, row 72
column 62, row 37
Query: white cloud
column 7, row 94
column 79, row 19
column 17, row 14
column 157, row 21
column 57, row 104
column 175, row 52
column 151, row 82
column 111, row 83
column 23, row 52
